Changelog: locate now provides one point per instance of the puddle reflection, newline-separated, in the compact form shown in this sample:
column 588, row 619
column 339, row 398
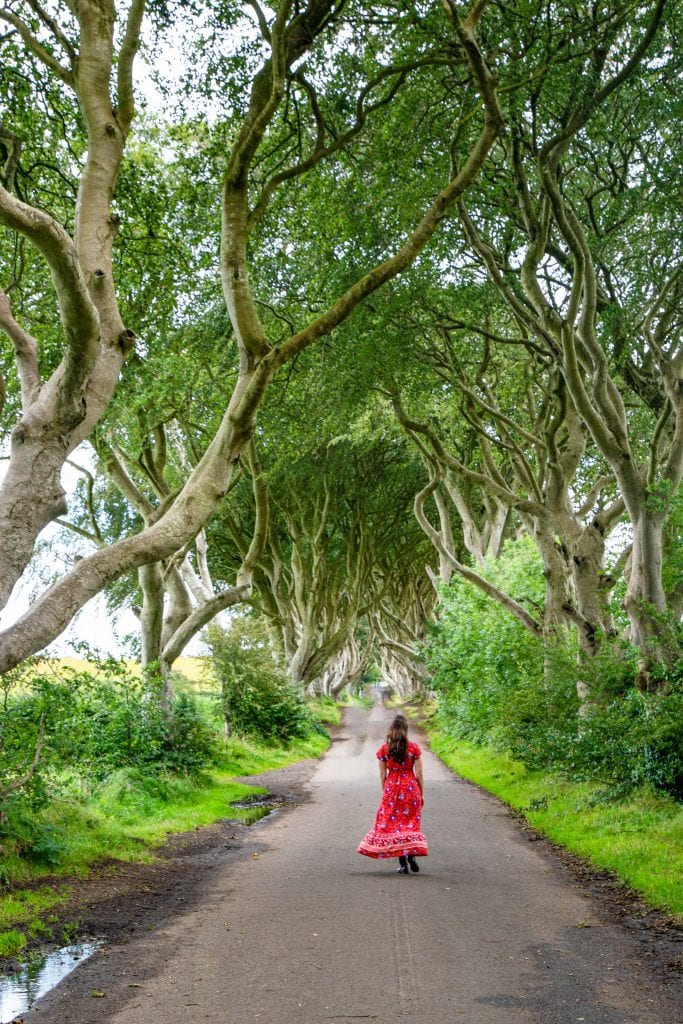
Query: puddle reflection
column 20, row 991
column 251, row 810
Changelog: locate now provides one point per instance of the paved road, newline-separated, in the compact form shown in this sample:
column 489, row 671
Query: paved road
column 304, row 930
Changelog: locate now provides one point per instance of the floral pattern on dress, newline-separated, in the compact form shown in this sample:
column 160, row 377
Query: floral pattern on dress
column 396, row 831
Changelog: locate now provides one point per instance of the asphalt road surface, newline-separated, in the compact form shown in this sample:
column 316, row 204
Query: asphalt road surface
column 303, row 930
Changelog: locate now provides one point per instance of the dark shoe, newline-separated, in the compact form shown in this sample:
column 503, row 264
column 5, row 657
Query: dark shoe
column 414, row 866
column 403, row 866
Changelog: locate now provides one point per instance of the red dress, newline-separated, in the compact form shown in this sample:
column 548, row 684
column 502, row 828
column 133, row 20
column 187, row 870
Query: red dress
column 396, row 832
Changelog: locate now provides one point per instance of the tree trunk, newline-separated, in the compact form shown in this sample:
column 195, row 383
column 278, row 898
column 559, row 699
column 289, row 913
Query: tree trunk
column 588, row 570
column 31, row 496
column 152, row 615
column 645, row 602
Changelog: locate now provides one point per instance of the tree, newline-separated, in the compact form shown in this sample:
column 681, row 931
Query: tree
column 503, row 446
column 90, row 51
column 342, row 534
column 573, row 196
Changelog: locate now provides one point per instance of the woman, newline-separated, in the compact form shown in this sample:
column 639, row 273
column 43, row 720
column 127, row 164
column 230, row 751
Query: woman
column 396, row 832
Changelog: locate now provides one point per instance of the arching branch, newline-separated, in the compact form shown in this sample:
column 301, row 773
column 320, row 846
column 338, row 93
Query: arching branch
column 79, row 315
column 468, row 574
column 36, row 48
column 25, row 351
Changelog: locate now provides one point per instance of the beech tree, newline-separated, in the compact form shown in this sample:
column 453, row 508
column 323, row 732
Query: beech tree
column 145, row 449
column 293, row 123
column 520, row 459
column 233, row 243
column 341, row 533
column 533, row 457
column 608, row 320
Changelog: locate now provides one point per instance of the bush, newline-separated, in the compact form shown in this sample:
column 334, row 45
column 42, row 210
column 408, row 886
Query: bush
column 498, row 685
column 189, row 743
column 99, row 731
column 257, row 699
column 30, row 838
column 481, row 656
column 632, row 739
column 89, row 726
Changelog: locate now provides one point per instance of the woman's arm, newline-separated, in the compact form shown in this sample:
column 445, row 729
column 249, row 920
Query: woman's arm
column 382, row 773
column 417, row 768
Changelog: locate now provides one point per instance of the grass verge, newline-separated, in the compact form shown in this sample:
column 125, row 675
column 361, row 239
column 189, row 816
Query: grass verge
column 126, row 819
column 639, row 838
column 325, row 710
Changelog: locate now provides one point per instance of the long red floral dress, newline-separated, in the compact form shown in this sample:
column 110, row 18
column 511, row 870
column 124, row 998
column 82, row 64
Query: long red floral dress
column 396, row 832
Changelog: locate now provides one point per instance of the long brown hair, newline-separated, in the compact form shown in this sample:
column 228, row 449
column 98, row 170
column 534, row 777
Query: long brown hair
column 397, row 739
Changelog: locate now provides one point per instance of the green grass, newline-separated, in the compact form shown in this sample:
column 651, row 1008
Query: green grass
column 243, row 757
column 325, row 710
column 126, row 820
column 12, row 942
column 27, row 907
column 23, row 905
column 639, row 838
column 359, row 700
column 132, row 813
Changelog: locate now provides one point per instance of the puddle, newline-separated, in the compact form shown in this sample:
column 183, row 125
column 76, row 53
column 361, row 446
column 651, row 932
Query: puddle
column 18, row 992
column 264, row 800
column 250, row 815
column 251, row 810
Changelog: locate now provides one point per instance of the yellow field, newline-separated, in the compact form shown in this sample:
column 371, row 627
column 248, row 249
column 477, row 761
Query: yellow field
column 195, row 672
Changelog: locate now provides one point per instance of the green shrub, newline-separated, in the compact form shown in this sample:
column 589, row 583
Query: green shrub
column 116, row 720
column 498, row 685
column 88, row 727
column 267, row 708
column 31, row 838
column 189, row 743
column 633, row 739
column 481, row 656
column 257, row 699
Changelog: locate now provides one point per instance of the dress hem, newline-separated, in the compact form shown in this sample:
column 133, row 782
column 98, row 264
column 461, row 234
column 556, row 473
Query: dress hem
column 402, row 846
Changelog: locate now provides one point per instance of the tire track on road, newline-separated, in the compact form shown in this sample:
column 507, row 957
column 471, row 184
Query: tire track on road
column 404, row 959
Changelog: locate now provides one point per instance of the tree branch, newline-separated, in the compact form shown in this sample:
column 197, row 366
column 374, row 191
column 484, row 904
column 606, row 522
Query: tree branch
column 593, row 495
column 127, row 54
column 321, row 151
column 26, row 354
column 468, row 574
column 37, row 48
column 13, row 147
column 261, row 18
column 582, row 116
column 90, row 486
column 448, row 197
column 55, row 28
column 261, row 522
column 127, row 486
column 79, row 315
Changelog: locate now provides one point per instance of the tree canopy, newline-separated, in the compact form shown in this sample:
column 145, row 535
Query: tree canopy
column 361, row 296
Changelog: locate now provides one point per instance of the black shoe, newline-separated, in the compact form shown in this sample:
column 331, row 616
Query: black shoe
column 403, row 866
column 414, row 866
